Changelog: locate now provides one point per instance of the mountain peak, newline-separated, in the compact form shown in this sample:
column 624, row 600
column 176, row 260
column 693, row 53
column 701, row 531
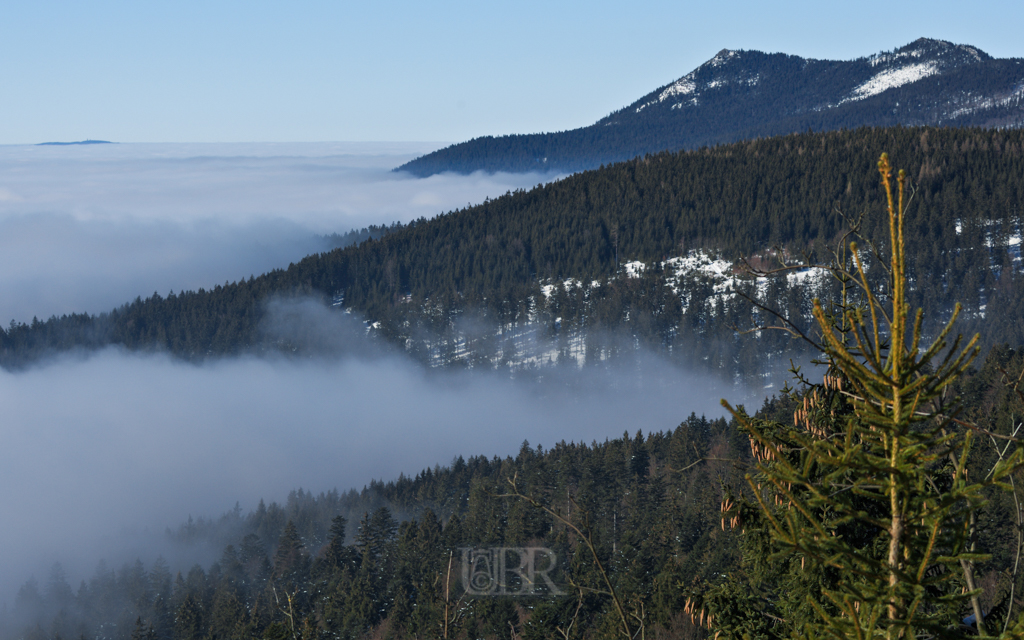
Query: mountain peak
column 721, row 58
column 745, row 93
column 928, row 47
column 850, row 81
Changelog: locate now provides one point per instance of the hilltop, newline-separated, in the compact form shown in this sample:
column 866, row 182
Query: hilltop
column 742, row 95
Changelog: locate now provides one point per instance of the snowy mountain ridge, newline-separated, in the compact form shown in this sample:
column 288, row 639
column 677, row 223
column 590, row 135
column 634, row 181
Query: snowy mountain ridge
column 743, row 94
column 884, row 71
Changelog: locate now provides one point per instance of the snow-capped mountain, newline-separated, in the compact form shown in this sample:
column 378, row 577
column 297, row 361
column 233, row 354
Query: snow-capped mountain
column 740, row 94
column 792, row 85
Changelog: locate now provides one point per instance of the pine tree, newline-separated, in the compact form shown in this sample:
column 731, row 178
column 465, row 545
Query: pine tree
column 143, row 631
column 188, row 622
column 859, row 519
column 290, row 559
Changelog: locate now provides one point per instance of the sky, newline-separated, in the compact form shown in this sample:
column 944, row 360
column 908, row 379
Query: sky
column 325, row 70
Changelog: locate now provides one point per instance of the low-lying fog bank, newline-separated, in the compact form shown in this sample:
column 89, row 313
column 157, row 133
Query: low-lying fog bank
column 86, row 228
column 103, row 452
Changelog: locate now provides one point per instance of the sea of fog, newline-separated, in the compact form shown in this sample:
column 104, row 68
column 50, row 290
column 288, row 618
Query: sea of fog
column 89, row 227
column 99, row 449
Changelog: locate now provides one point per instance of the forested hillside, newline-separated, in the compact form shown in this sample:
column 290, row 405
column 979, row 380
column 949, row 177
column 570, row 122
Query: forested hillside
column 545, row 269
column 374, row 563
column 739, row 95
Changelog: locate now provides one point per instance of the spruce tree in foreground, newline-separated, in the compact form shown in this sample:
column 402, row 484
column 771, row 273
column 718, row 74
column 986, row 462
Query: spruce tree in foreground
column 859, row 519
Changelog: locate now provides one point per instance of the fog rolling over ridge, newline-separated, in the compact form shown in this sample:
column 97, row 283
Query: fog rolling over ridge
column 114, row 442
column 87, row 228
column 103, row 451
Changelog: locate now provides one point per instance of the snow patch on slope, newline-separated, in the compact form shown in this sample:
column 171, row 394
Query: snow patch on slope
column 547, row 290
column 722, row 57
column 683, row 86
column 982, row 103
column 891, row 78
column 700, row 262
column 723, row 273
column 687, row 85
column 634, row 269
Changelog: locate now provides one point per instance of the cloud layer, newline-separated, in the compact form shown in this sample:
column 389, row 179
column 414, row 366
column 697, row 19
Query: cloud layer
column 119, row 442
column 85, row 228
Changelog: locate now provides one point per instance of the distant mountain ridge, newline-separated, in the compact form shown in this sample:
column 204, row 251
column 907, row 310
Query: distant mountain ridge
column 740, row 95
column 65, row 144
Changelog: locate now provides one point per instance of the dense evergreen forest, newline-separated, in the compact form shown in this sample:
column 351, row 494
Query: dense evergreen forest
column 545, row 267
column 375, row 563
column 740, row 95
column 642, row 532
column 357, row 236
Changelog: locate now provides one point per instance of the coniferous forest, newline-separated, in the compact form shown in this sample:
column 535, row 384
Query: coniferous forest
column 652, row 535
column 549, row 262
column 375, row 563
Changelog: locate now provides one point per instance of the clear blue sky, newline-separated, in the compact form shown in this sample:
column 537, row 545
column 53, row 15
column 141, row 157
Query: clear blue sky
column 446, row 70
